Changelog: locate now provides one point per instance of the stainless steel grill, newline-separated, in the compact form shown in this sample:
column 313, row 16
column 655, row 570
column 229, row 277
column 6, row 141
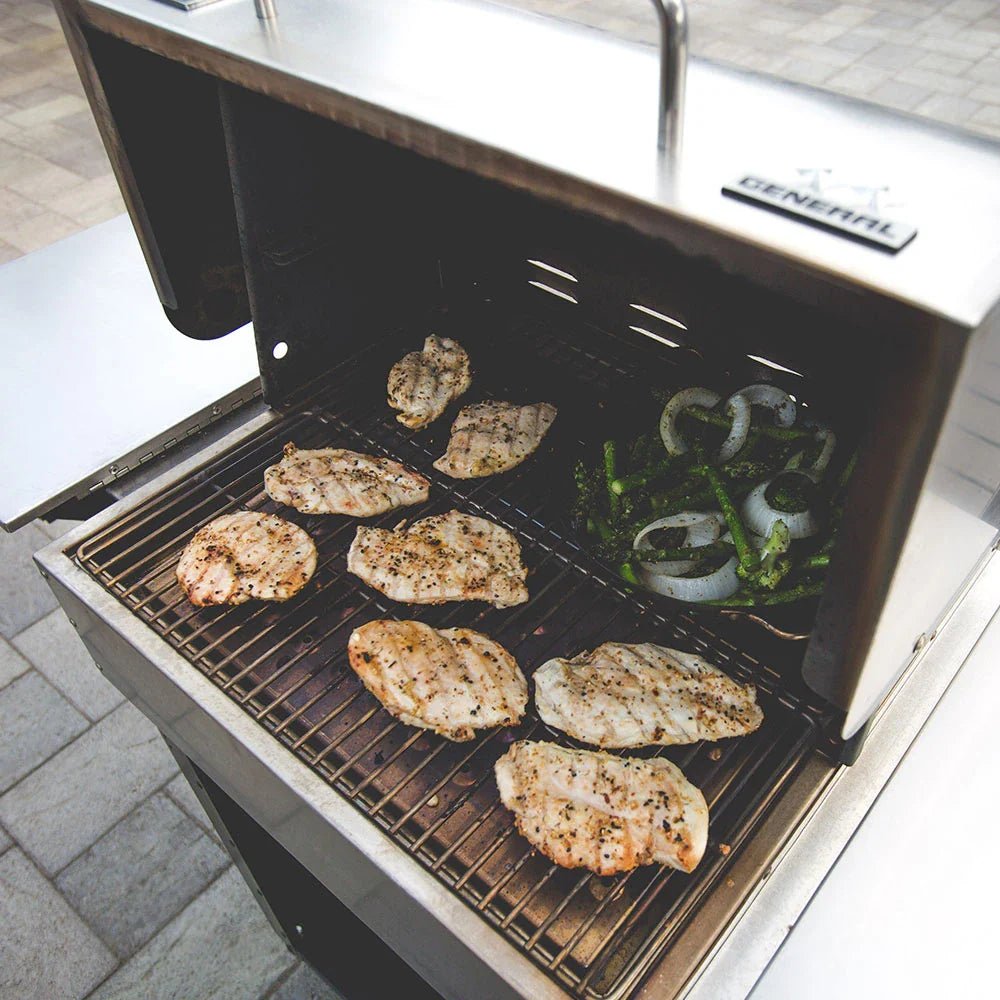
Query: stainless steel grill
column 287, row 667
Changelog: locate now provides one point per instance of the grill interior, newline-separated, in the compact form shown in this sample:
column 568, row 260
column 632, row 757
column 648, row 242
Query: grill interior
column 286, row 665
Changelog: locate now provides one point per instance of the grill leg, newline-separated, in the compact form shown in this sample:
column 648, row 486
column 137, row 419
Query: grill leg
column 314, row 924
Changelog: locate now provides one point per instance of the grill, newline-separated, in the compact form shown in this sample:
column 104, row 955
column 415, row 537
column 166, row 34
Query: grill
column 287, row 667
column 362, row 174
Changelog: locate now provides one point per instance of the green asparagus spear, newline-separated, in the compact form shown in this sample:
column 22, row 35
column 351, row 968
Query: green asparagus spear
column 774, row 566
column 846, row 473
column 690, row 496
column 797, row 593
column 748, row 560
column 587, row 490
column 743, row 599
column 819, row 560
column 636, row 480
column 610, row 455
column 700, row 552
column 767, row 430
column 769, row 579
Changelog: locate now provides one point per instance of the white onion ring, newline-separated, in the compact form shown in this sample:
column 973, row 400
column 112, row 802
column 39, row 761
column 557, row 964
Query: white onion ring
column 772, row 398
column 695, row 396
column 702, row 529
column 829, row 440
column 716, row 586
column 816, row 470
column 738, row 407
column 759, row 515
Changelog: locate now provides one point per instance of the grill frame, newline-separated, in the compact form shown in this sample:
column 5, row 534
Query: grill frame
column 496, row 498
column 728, row 943
column 137, row 659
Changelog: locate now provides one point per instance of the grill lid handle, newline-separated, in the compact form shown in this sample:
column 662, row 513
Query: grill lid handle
column 673, row 19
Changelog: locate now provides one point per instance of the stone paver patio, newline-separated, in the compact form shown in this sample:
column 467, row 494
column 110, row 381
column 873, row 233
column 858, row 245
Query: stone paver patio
column 936, row 58
column 112, row 882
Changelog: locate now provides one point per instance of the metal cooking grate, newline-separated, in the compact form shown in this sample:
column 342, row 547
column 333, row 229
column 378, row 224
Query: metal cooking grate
column 287, row 665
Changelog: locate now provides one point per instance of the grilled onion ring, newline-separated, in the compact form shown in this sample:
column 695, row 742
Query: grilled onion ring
column 695, row 396
column 717, row 586
column 759, row 515
column 771, row 398
column 702, row 529
column 738, row 407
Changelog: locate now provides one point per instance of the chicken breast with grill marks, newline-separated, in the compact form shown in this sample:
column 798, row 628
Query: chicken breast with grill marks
column 588, row 809
column 452, row 681
column 447, row 557
column 423, row 383
column 337, row 481
column 636, row 695
column 244, row 556
column 488, row 438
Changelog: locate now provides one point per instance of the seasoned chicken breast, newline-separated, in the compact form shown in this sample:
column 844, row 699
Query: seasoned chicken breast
column 487, row 438
column 337, row 481
column 587, row 809
column 447, row 557
column 423, row 383
column 635, row 695
column 246, row 555
column 453, row 681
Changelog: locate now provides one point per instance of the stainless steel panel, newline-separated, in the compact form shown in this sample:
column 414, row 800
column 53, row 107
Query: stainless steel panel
column 882, row 903
column 744, row 949
column 575, row 119
column 951, row 529
column 95, row 380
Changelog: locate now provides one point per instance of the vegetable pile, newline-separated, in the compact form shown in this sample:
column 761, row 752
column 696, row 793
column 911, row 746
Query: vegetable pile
column 730, row 502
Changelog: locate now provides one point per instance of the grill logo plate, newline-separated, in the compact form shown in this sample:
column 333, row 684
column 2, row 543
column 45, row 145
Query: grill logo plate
column 807, row 203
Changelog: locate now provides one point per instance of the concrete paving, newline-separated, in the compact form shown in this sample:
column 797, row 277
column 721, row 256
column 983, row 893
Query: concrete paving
column 114, row 883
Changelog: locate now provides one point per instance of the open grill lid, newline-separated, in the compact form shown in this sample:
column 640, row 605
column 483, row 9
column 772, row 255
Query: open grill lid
column 571, row 114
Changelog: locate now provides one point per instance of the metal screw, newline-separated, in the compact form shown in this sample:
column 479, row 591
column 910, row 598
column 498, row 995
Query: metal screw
column 113, row 469
column 216, row 410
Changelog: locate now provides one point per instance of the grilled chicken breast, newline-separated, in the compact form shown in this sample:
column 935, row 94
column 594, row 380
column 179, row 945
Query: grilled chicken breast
column 447, row 557
column 337, row 481
column 423, row 383
column 635, row 695
column 487, row 438
column 453, row 681
column 587, row 809
column 246, row 555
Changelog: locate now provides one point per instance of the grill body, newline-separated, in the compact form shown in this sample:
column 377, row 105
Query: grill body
column 286, row 667
column 352, row 221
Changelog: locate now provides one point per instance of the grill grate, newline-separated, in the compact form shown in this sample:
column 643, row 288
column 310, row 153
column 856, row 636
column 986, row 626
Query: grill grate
column 287, row 665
